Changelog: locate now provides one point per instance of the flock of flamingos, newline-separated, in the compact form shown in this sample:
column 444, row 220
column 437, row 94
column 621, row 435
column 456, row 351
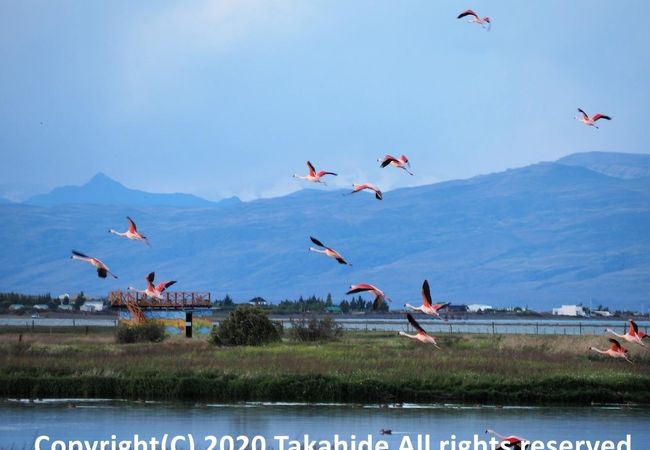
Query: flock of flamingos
column 633, row 335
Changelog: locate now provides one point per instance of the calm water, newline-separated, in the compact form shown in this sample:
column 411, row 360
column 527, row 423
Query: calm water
column 21, row 422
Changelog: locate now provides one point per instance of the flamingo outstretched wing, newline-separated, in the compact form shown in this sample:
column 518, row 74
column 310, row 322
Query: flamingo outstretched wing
column 132, row 227
column 415, row 324
column 466, row 13
column 426, row 294
column 312, row 171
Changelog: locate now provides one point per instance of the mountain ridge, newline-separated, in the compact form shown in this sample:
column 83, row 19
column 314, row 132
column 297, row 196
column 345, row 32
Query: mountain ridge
column 540, row 235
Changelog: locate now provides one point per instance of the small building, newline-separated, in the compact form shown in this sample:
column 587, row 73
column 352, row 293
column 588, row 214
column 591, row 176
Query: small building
column 333, row 310
column 65, row 307
column 602, row 313
column 478, row 308
column 16, row 307
column 92, row 306
column 41, row 307
column 258, row 301
column 570, row 310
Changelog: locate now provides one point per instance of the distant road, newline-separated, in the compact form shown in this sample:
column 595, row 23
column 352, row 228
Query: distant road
column 434, row 326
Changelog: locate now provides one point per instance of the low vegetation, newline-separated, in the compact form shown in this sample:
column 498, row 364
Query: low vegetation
column 246, row 326
column 358, row 367
column 314, row 330
column 150, row 331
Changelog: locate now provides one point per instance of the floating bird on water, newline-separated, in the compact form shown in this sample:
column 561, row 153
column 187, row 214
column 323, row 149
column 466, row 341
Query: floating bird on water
column 484, row 22
column 327, row 251
column 615, row 351
column 364, row 287
column 421, row 335
column 102, row 269
column 360, row 187
column 401, row 163
column 633, row 334
column 591, row 122
column 427, row 306
column 131, row 233
column 313, row 176
column 153, row 291
column 512, row 442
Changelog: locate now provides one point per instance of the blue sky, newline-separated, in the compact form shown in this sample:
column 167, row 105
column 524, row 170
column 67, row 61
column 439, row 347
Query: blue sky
column 231, row 97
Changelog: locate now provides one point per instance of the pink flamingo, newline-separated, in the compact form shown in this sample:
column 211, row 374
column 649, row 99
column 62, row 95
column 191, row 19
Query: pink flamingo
column 421, row 335
column 633, row 334
column 591, row 122
column 427, row 306
column 151, row 290
column 360, row 187
column 364, row 287
column 615, row 351
column 313, row 176
column 131, row 233
column 401, row 163
column 102, row 269
column 484, row 22
column 328, row 251
column 511, row 442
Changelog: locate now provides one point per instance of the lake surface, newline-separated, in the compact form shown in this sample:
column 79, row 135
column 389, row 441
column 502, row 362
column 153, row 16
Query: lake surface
column 21, row 421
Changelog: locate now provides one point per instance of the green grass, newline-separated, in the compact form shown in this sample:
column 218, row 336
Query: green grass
column 360, row 367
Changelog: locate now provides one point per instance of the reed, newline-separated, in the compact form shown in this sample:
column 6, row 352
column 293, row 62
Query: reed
column 358, row 367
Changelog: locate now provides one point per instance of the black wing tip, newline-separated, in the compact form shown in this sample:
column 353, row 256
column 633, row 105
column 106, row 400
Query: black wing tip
column 316, row 241
column 75, row 252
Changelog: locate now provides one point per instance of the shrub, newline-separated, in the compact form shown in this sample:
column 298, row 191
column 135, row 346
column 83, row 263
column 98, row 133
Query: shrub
column 246, row 326
column 150, row 331
column 314, row 329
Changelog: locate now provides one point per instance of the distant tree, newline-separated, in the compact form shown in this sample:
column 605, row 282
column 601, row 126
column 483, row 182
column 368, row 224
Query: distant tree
column 227, row 301
column 345, row 306
column 79, row 300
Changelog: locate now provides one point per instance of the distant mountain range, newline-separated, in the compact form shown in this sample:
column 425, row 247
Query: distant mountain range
column 571, row 231
column 102, row 190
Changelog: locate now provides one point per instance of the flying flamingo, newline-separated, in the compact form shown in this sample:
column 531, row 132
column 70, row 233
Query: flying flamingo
column 153, row 291
column 370, row 187
column 102, row 269
column 427, row 306
column 513, row 442
column 591, row 122
column 401, row 163
column 633, row 334
column 131, row 233
column 379, row 295
column 484, row 22
column 328, row 251
column 421, row 335
column 615, row 351
column 313, row 176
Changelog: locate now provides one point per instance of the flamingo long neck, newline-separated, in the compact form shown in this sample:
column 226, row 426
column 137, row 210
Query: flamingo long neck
column 500, row 436
column 317, row 250
column 602, row 352
column 414, row 308
column 609, row 330
column 117, row 232
column 412, row 336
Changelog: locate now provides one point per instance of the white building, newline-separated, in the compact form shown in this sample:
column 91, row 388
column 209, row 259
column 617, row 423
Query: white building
column 41, row 307
column 92, row 306
column 569, row 310
column 602, row 313
column 477, row 308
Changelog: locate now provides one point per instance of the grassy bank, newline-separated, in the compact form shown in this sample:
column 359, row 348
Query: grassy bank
column 361, row 367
